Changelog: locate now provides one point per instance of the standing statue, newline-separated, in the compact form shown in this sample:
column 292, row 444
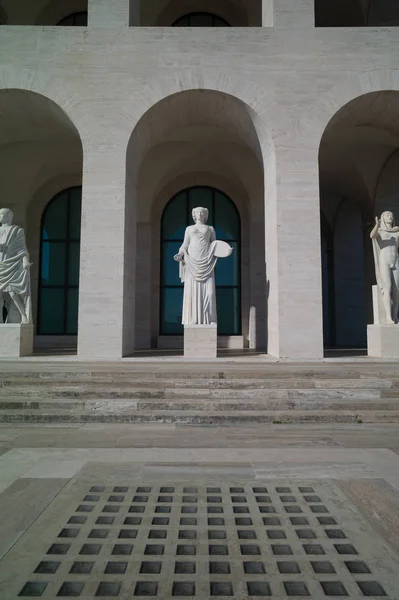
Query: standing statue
column 385, row 239
column 14, row 271
column 197, row 258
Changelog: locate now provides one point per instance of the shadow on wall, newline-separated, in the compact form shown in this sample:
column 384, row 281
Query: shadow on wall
column 44, row 12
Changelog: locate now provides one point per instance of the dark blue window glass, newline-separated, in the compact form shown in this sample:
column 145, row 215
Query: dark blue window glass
column 59, row 264
column 224, row 217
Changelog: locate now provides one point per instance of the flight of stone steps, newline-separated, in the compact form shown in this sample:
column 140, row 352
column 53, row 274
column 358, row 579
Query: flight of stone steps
column 199, row 393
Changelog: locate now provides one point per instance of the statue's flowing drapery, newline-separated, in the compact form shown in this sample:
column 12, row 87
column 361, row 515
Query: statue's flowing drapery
column 13, row 276
column 197, row 271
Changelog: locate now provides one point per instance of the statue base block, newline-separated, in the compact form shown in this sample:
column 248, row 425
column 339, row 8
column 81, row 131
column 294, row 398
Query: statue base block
column 16, row 340
column 200, row 341
column 383, row 341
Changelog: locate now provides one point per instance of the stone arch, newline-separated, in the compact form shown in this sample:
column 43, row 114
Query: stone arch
column 33, row 171
column 145, row 135
column 358, row 168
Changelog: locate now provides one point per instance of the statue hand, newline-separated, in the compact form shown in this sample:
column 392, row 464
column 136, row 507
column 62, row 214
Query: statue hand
column 179, row 257
column 377, row 221
column 27, row 265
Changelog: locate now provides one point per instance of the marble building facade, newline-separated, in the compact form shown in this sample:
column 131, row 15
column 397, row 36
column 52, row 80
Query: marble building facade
column 289, row 108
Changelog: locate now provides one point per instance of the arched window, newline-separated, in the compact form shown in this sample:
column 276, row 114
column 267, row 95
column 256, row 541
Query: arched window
column 59, row 264
column 78, row 19
column 224, row 217
column 200, row 19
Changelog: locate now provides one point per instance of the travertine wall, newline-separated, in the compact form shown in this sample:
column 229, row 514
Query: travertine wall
column 291, row 81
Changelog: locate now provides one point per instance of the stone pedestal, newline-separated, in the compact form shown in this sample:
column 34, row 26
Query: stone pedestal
column 200, row 341
column 15, row 340
column 383, row 341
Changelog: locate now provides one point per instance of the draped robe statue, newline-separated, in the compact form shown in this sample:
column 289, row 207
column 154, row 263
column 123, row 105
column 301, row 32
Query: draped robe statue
column 385, row 239
column 14, row 271
column 197, row 257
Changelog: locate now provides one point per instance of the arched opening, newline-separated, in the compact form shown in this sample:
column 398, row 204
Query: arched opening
column 200, row 13
column 200, row 19
column 356, row 13
column 78, row 19
column 40, row 155
column 359, row 178
column 59, row 264
column 45, row 12
column 197, row 146
column 224, row 217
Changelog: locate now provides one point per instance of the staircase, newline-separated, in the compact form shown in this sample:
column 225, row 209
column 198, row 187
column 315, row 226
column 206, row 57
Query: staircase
column 199, row 393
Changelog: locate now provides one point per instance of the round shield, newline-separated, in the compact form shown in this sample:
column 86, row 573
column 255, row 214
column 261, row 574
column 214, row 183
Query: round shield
column 222, row 249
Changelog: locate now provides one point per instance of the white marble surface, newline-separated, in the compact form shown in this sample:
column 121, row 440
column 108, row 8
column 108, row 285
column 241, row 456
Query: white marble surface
column 16, row 340
column 383, row 341
column 200, row 341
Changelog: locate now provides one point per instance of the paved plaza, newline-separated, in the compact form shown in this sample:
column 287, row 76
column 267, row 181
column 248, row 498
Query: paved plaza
column 169, row 510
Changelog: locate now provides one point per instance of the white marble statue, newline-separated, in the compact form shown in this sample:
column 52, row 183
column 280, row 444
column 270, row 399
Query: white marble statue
column 197, row 257
column 385, row 239
column 14, row 271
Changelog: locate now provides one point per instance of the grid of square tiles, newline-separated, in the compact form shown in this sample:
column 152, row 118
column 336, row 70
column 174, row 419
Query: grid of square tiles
column 204, row 541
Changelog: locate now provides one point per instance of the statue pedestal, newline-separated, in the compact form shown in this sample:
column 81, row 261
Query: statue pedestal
column 200, row 341
column 16, row 340
column 383, row 341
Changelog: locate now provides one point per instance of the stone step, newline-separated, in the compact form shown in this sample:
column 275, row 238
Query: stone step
column 225, row 417
column 126, row 405
column 237, row 384
column 83, row 392
column 188, row 371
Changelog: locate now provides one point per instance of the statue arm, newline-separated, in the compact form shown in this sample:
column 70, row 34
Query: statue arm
column 184, row 247
column 374, row 231
column 213, row 234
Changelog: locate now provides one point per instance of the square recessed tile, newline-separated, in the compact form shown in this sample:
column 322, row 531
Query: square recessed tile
column 121, row 489
column 327, row 521
column 91, row 498
column 98, row 533
column 47, row 566
column 306, row 490
column 132, row 521
column 306, row 534
column 371, row 588
column 115, row 568
column 296, row 588
column 322, row 566
column 283, row 490
column 258, row 588
column 160, row 521
column 189, row 499
column 276, row 534
column 313, row 549
column 143, row 490
column 333, row 588
column 108, row 588
column 219, row 568
column 71, row 588
column 128, row 534
column 97, row 488
column 293, row 509
column 186, row 550
column 184, row 567
column 356, row 566
column 345, row 549
column 221, row 588
column 216, row 534
column 105, row 520
column 33, row 588
column 259, row 490
column 213, row 490
column 58, row 548
column 288, row 499
column 271, row 521
column 154, row 567
column 167, row 490
column 254, row 567
column 122, row 549
column 188, row 520
column 237, row 490
column 146, row 588
column 115, row 498
column 140, row 498
column 288, row 567
column 157, row 534
column 77, row 520
column 85, row 508
column 187, row 534
column 154, row 549
column 90, row 549
column 111, row 508
column 81, row 567
column 335, row 534
column 183, row 588
column 281, row 549
column 218, row 549
column 249, row 549
column 299, row 521
column 190, row 490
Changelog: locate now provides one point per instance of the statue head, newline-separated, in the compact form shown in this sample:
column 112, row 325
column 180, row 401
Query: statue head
column 200, row 214
column 387, row 219
column 6, row 216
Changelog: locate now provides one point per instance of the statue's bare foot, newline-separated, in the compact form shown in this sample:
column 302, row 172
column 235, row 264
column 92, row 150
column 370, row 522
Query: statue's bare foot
column 390, row 322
